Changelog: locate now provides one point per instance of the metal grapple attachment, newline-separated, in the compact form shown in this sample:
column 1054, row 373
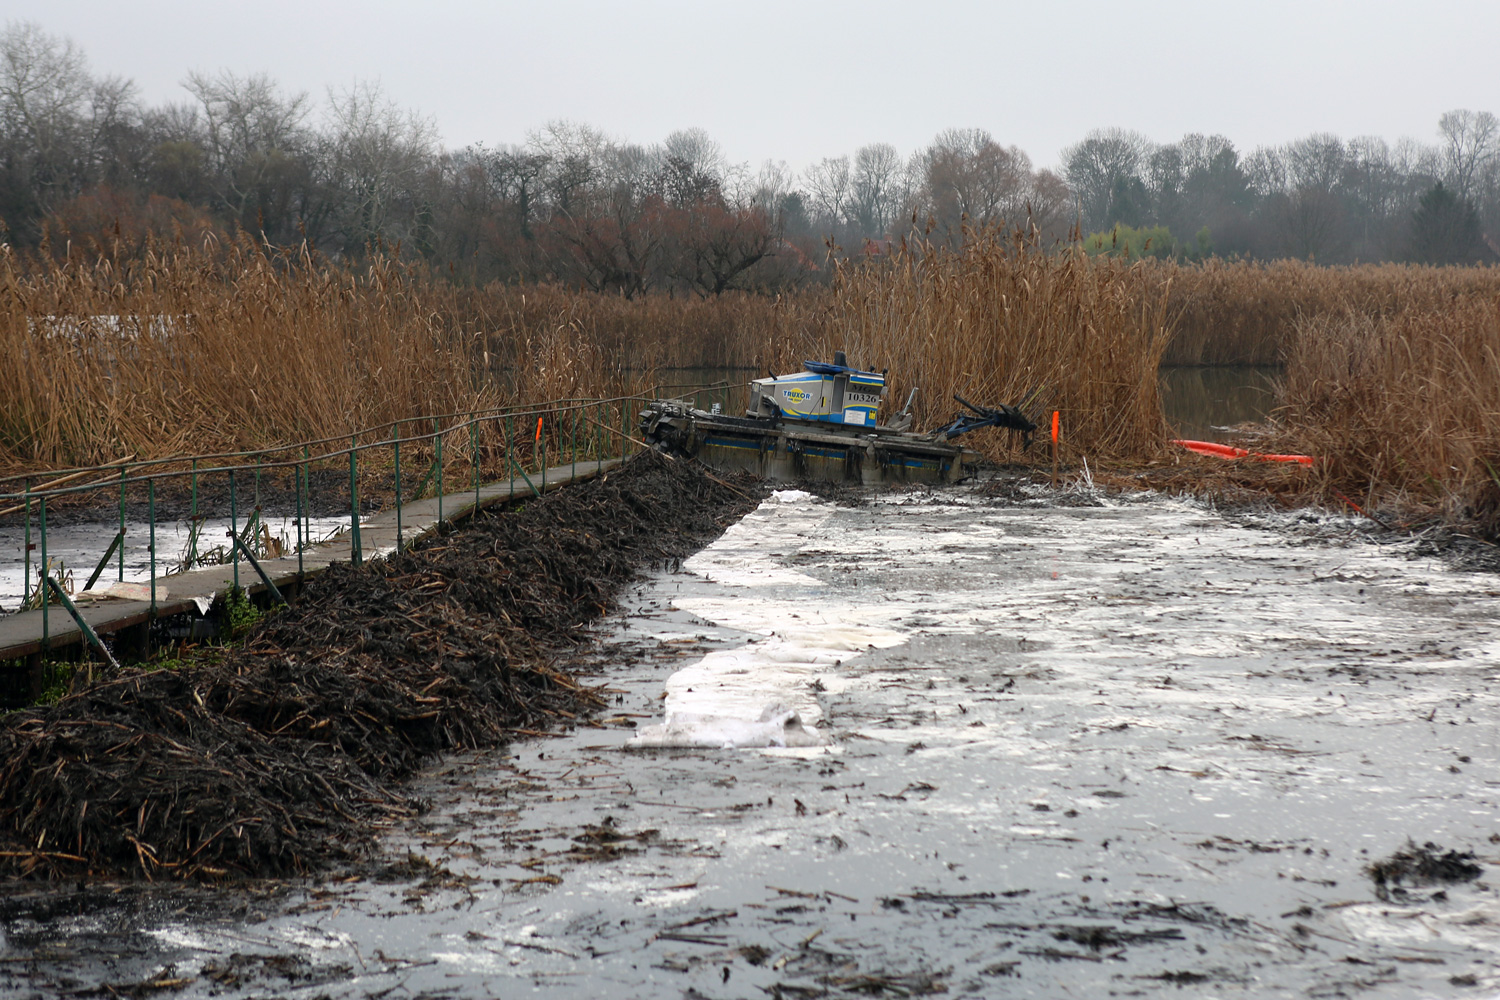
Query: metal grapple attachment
column 988, row 416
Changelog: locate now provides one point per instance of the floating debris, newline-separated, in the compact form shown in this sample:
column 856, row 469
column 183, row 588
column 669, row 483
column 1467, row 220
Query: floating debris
column 1417, row 866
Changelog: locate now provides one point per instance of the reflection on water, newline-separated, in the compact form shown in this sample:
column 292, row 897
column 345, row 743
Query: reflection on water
column 1201, row 403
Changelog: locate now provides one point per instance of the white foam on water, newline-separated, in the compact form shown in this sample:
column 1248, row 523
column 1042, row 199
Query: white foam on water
column 762, row 694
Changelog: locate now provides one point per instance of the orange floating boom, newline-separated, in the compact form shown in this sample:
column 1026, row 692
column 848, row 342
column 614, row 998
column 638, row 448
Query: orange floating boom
column 1229, row 451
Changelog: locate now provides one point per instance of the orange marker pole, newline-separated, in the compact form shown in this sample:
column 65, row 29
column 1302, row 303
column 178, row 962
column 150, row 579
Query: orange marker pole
column 1055, row 422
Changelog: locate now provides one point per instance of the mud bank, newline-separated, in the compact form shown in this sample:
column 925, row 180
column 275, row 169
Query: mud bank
column 1070, row 745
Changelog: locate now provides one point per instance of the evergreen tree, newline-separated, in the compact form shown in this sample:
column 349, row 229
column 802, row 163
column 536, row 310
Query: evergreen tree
column 1445, row 230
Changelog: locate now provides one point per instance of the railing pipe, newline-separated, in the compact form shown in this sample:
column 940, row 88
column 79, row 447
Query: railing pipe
column 26, row 541
column 147, row 463
column 303, row 511
column 83, row 626
column 439, row 440
column 151, row 547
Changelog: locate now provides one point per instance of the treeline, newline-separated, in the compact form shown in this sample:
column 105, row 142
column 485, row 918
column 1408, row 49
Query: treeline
column 83, row 159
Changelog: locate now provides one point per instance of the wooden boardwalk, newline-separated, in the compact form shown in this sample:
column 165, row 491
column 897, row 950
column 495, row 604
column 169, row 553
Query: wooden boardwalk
column 21, row 635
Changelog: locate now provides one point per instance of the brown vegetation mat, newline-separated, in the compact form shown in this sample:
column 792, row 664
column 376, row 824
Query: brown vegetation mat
column 280, row 756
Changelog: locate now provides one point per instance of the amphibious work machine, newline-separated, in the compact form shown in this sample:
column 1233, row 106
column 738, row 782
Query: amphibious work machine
column 822, row 423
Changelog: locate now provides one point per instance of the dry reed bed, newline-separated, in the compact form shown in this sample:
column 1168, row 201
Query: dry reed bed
column 1241, row 312
column 231, row 346
column 1403, row 409
column 1004, row 322
column 226, row 347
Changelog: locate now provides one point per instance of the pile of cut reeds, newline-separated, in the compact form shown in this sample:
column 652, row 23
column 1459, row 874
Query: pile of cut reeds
column 277, row 757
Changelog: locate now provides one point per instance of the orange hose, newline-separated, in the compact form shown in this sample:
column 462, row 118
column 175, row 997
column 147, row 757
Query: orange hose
column 1229, row 451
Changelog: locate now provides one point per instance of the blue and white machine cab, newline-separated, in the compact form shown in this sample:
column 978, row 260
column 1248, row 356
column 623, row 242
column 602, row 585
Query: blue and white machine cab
column 830, row 393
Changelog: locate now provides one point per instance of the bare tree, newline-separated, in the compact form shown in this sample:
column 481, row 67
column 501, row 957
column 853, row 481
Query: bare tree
column 45, row 89
column 256, row 139
column 1095, row 166
column 1315, row 162
column 573, row 153
column 701, row 154
column 515, row 175
column 1266, row 172
column 1308, row 223
column 374, row 155
column 878, row 188
column 830, row 191
column 970, row 178
column 1471, row 141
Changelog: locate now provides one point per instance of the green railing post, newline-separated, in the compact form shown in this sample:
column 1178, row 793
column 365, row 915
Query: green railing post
column 438, row 437
column 192, row 550
column 46, row 632
column 356, row 555
column 26, row 573
column 117, row 543
column 121, row 575
column 151, row 548
column 474, row 442
column 265, row 577
column 307, row 486
column 396, row 436
column 573, row 437
column 302, row 527
column 234, row 530
column 83, row 626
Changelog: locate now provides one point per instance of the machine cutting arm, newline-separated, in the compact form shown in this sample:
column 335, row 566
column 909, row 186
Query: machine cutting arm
column 988, row 416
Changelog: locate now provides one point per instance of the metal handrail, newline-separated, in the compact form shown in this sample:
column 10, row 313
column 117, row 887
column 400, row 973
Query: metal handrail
column 390, row 435
column 504, row 410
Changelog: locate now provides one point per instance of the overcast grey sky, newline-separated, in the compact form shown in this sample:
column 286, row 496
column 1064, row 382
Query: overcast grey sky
column 800, row 81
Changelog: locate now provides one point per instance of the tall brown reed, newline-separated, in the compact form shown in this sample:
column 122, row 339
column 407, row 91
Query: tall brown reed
column 1403, row 408
column 1003, row 321
column 1242, row 312
column 219, row 347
